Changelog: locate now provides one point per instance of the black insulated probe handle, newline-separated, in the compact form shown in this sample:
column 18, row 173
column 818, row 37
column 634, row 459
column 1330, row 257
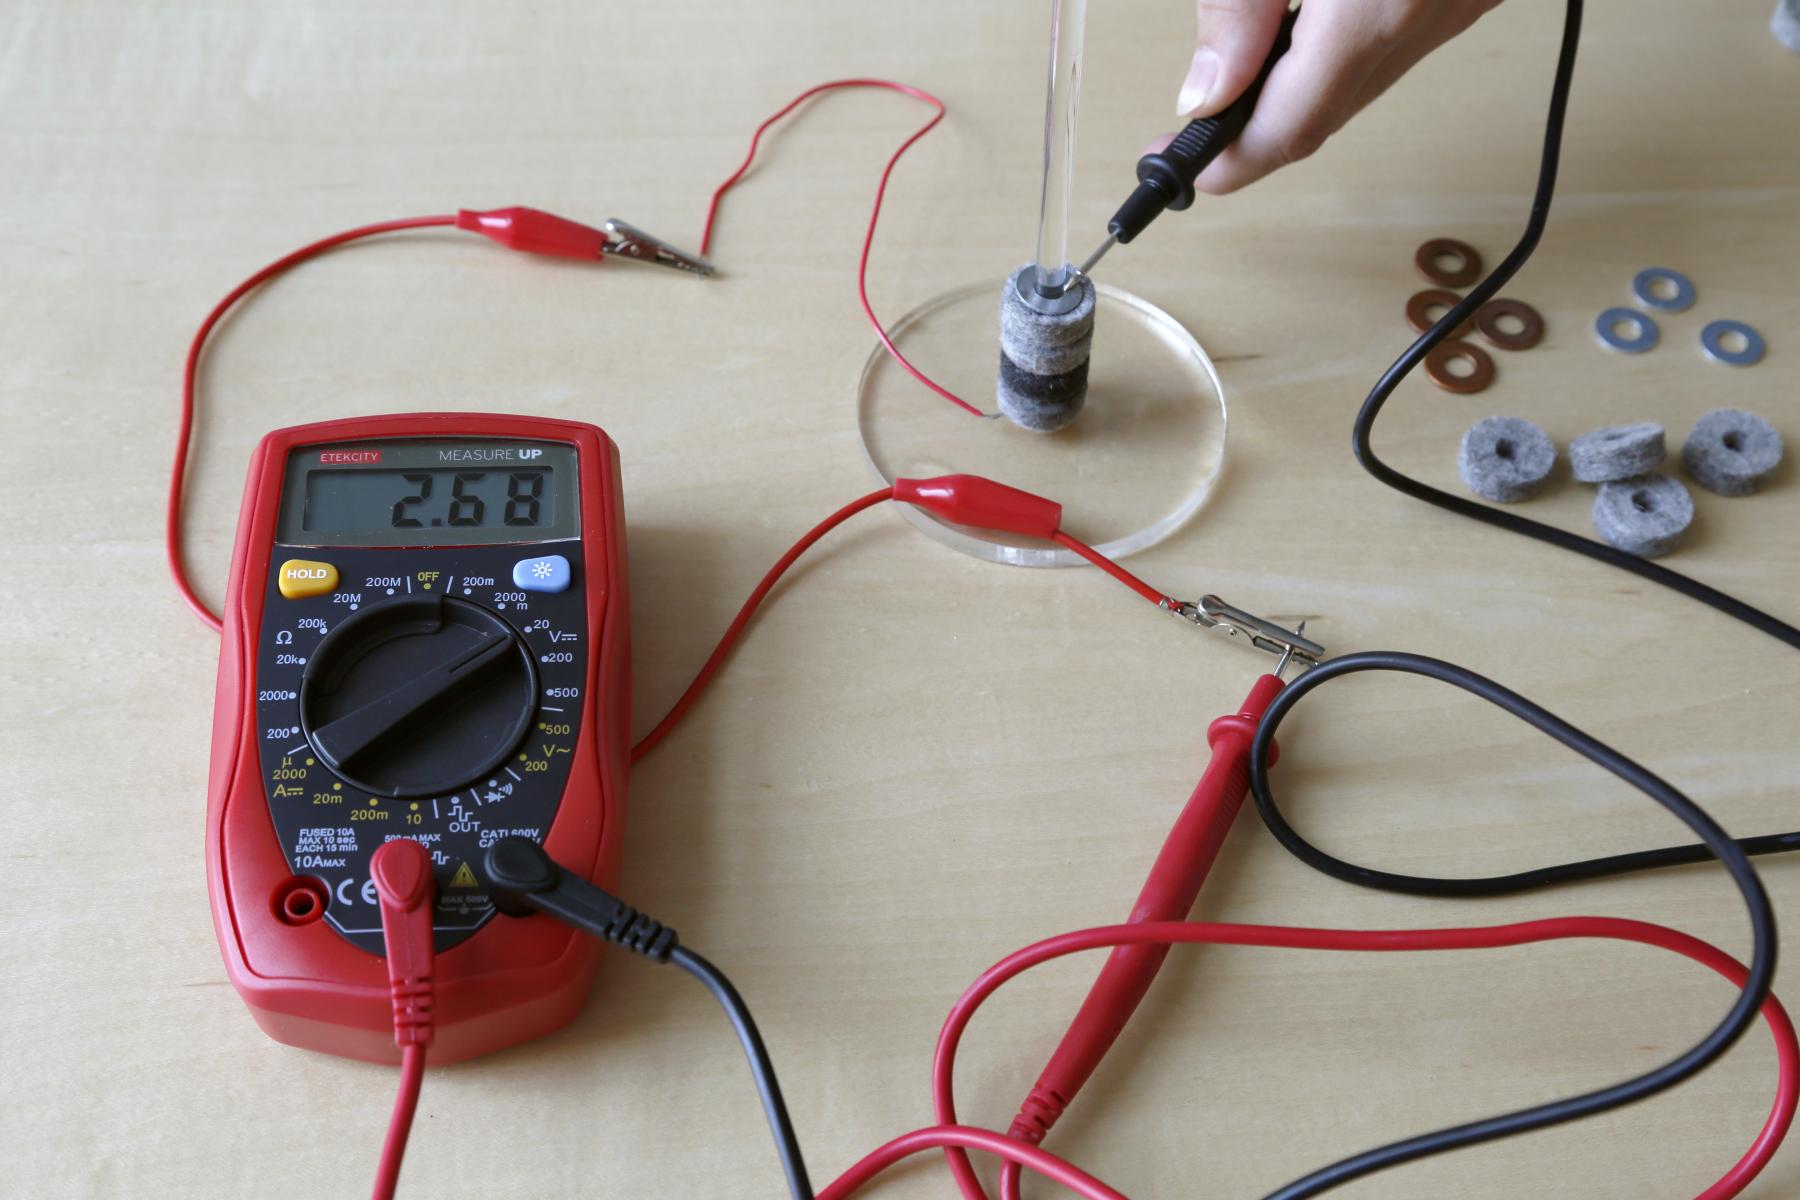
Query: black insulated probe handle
column 1166, row 178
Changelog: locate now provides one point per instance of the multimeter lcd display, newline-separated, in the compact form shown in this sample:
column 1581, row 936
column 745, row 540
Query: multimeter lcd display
column 416, row 493
column 351, row 501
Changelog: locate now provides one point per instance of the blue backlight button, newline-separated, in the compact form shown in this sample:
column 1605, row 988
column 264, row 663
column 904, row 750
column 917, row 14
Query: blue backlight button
column 547, row 574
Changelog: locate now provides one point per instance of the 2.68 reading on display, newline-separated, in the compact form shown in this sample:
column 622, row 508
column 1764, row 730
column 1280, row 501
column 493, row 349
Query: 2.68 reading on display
column 340, row 501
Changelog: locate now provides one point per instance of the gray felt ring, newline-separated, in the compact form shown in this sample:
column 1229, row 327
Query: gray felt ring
column 1046, row 343
column 1647, row 333
column 1617, row 452
column 1039, row 342
column 1731, row 452
column 1643, row 287
column 1646, row 516
column 1042, row 382
column 1712, row 340
column 1505, row 459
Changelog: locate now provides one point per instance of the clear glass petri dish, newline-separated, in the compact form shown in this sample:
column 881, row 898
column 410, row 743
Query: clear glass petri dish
column 1136, row 464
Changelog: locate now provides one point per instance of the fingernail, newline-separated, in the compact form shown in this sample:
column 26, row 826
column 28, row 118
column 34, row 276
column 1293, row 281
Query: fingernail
column 1202, row 74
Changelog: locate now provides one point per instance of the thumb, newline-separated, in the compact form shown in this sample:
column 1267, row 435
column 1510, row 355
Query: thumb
column 1235, row 37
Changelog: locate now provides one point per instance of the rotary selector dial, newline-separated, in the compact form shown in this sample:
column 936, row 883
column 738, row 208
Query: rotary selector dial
column 418, row 696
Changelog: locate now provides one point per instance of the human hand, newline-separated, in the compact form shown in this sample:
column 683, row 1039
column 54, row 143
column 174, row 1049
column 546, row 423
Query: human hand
column 1345, row 53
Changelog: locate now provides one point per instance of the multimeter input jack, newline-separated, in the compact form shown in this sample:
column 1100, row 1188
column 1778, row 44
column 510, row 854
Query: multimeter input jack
column 300, row 900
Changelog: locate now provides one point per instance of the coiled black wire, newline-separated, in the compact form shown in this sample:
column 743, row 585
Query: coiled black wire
column 1718, row 844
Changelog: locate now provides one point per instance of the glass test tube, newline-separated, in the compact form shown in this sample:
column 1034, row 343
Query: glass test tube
column 1068, row 32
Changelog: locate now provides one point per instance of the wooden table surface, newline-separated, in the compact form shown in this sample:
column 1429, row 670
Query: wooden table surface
column 918, row 762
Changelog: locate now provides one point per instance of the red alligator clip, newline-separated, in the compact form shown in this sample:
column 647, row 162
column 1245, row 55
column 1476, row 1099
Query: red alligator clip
column 533, row 231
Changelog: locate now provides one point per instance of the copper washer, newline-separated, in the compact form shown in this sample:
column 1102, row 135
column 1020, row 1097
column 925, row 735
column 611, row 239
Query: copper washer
column 1418, row 310
column 1469, row 259
column 1437, row 367
column 1487, row 320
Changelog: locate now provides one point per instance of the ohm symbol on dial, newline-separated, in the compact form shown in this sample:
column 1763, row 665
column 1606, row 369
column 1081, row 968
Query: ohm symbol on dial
column 284, row 637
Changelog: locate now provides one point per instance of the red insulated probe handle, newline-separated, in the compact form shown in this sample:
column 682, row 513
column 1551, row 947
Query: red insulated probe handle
column 1181, row 868
column 401, row 870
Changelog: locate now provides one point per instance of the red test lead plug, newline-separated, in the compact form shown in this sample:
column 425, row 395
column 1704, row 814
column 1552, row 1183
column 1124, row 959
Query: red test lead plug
column 401, row 870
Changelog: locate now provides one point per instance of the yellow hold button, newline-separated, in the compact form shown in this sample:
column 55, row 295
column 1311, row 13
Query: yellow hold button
column 301, row 577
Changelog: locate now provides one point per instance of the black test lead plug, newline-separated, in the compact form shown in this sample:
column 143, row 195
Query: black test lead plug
column 1166, row 177
column 523, row 879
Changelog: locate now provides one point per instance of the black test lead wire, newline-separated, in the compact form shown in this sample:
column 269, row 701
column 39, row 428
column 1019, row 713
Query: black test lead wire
column 1723, row 1036
column 762, row 1067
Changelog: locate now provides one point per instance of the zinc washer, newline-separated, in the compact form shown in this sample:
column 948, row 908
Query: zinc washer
column 1643, row 287
column 1712, row 340
column 1647, row 332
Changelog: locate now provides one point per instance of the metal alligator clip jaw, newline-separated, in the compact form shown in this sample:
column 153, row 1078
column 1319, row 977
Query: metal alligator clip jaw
column 633, row 242
column 1292, row 645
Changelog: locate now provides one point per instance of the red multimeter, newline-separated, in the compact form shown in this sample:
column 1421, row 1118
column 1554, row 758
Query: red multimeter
column 426, row 636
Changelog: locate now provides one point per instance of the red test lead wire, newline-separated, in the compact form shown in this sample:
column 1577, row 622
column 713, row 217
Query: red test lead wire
column 962, row 499
column 190, row 378
column 401, row 871
column 735, row 630
column 862, row 263
column 1112, row 568
column 1481, row 937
